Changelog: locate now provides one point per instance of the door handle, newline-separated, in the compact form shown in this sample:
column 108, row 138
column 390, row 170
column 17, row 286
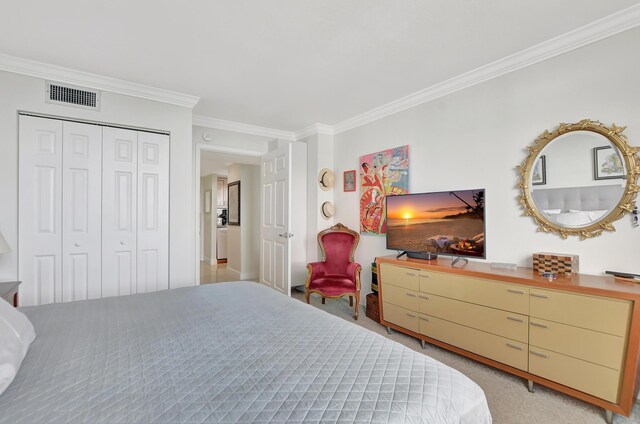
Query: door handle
column 511, row 345
column 516, row 291
column 410, row 315
column 424, row 297
column 76, row 244
column 285, row 235
column 123, row 242
column 410, row 294
column 516, row 319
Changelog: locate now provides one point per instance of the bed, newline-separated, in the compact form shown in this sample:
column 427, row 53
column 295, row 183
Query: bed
column 225, row 353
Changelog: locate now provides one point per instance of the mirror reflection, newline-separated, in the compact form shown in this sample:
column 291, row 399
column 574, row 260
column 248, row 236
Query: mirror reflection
column 578, row 179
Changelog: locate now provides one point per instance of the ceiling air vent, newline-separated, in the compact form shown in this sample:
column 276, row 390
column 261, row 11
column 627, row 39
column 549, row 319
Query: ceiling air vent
column 73, row 96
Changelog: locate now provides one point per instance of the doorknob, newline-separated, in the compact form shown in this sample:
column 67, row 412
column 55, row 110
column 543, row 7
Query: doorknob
column 76, row 244
column 285, row 235
column 123, row 242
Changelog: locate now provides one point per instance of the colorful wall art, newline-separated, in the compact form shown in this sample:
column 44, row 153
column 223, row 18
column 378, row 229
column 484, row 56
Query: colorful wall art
column 382, row 174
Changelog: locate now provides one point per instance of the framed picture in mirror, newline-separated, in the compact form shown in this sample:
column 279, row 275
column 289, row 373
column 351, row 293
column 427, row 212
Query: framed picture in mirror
column 607, row 164
column 539, row 174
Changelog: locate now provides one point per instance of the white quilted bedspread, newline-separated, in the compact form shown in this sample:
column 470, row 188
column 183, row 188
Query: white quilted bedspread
column 225, row 353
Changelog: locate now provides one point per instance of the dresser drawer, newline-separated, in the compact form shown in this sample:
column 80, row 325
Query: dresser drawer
column 399, row 296
column 590, row 378
column 494, row 347
column 509, row 297
column 496, row 321
column 407, row 278
column 591, row 312
column 592, row 346
column 400, row 316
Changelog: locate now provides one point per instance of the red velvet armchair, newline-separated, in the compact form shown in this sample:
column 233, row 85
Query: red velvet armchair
column 337, row 275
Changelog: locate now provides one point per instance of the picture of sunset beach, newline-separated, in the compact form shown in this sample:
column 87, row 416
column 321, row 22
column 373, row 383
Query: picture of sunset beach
column 448, row 222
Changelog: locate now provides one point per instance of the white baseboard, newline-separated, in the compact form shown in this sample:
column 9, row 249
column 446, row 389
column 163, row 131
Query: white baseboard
column 233, row 273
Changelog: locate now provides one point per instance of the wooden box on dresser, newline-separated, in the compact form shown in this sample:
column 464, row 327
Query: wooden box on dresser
column 578, row 334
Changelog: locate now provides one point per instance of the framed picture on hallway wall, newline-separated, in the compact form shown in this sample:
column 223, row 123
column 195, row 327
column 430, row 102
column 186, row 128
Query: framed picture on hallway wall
column 233, row 191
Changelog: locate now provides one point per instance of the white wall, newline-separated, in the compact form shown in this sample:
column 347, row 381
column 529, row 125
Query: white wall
column 319, row 156
column 232, row 141
column 22, row 93
column 475, row 137
column 243, row 241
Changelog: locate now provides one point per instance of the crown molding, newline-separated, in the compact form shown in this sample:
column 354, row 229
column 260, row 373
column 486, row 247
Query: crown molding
column 46, row 71
column 608, row 26
column 313, row 130
column 239, row 127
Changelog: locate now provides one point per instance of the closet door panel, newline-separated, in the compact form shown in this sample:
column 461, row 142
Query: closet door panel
column 39, row 205
column 82, row 207
column 153, row 212
column 119, row 211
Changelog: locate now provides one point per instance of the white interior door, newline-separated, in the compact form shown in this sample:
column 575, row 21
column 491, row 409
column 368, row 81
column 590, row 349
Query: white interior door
column 153, row 212
column 275, row 255
column 39, row 204
column 119, row 211
column 82, row 211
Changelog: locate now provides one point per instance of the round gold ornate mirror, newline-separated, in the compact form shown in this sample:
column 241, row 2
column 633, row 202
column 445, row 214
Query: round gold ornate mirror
column 579, row 178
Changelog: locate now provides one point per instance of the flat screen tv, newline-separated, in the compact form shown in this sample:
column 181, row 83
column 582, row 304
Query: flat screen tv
column 425, row 225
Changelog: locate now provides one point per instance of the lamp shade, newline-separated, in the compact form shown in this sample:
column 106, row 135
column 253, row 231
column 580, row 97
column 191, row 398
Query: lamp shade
column 4, row 246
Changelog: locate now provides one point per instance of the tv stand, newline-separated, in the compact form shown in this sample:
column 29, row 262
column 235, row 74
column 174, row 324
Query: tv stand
column 459, row 259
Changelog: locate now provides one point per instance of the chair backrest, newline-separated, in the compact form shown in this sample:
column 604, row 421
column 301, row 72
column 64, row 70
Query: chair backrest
column 338, row 245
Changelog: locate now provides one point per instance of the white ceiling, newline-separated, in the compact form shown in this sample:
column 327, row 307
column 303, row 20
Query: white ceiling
column 218, row 163
column 286, row 64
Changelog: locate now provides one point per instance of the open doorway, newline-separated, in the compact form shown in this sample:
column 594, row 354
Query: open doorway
column 229, row 230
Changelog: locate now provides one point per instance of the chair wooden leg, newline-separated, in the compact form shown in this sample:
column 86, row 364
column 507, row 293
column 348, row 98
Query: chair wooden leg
column 306, row 295
column 355, row 313
column 350, row 300
column 323, row 299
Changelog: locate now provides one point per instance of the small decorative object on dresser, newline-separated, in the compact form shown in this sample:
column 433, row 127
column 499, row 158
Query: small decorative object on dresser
column 9, row 292
column 558, row 263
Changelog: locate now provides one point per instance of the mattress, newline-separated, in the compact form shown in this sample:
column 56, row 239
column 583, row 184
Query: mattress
column 234, row 352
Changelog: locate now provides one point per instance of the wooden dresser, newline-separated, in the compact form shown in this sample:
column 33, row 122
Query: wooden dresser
column 579, row 335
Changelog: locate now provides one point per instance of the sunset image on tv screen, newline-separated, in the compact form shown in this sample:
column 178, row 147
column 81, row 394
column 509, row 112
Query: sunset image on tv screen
column 448, row 222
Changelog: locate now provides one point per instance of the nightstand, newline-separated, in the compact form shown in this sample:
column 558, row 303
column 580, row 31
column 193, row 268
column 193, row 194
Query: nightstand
column 9, row 292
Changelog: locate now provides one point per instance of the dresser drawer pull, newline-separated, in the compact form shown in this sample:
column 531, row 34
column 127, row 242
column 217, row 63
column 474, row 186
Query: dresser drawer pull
column 424, row 319
column 542, row 355
column 537, row 324
column 541, row 296
column 516, row 291
column 410, row 294
column 412, row 274
column 424, row 297
column 514, row 346
column 410, row 315
column 516, row 319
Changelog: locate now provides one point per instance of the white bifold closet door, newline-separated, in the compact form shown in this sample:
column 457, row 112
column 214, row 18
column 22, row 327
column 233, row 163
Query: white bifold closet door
column 40, row 212
column 93, row 211
column 135, row 211
column 81, row 214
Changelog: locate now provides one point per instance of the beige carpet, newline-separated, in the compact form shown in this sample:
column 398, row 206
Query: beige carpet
column 509, row 400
